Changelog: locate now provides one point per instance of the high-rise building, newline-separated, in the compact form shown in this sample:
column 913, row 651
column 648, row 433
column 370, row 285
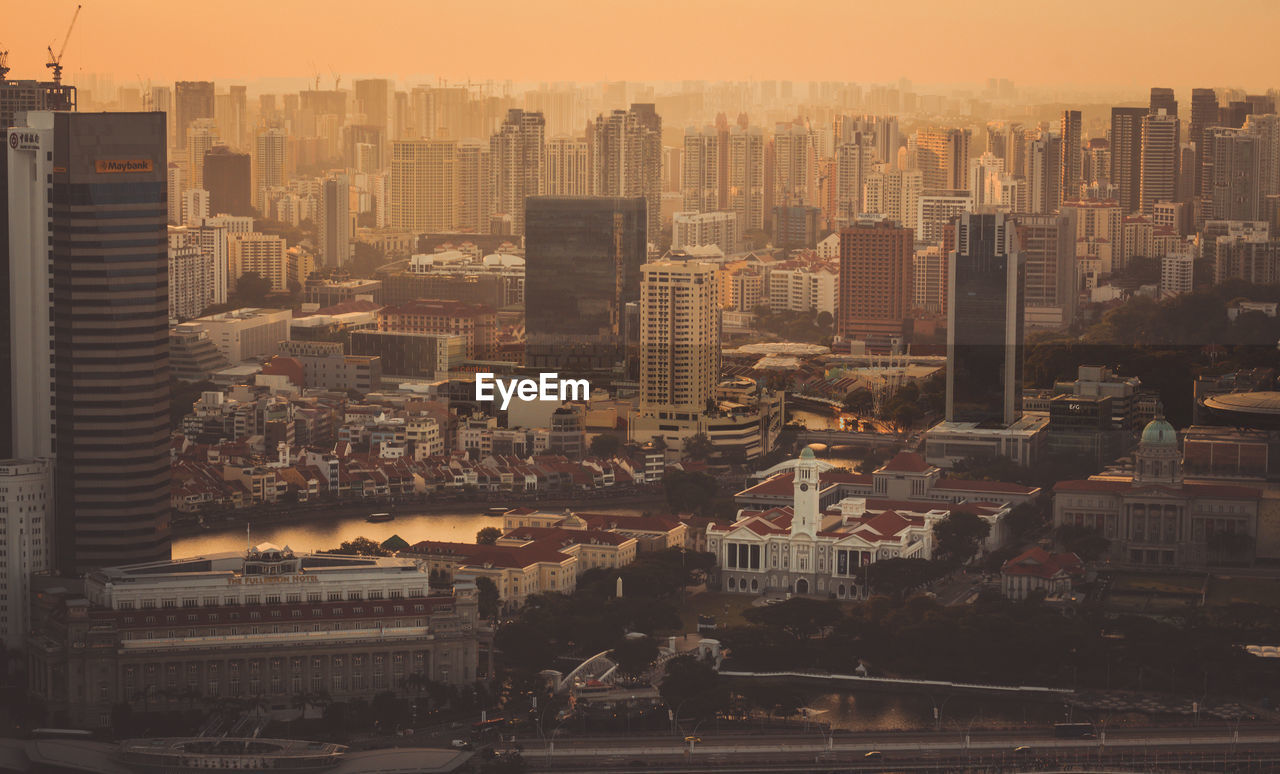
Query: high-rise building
column 1044, row 156
column 1162, row 99
column 335, row 220
column 983, row 172
column 202, row 135
column 1070, row 165
column 101, row 174
column 894, row 193
column 373, row 99
column 984, row 322
column 1047, row 244
column 679, row 335
column 942, row 156
column 192, row 100
column 1231, row 175
column 268, row 166
column 1126, row 156
column 705, row 169
column 262, row 254
column 1204, row 114
column 424, row 185
column 15, row 97
column 517, row 157
column 876, row 285
column 568, row 167
column 1160, row 150
column 746, row 177
column 1267, row 129
column 192, row 274
column 795, row 166
column 695, row 229
column 227, row 177
column 853, row 165
column 626, row 159
column 475, row 193
column 599, row 243
column 27, row 502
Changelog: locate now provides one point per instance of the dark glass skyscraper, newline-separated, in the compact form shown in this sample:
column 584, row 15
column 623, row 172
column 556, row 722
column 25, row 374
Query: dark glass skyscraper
column 227, row 179
column 985, row 322
column 90, row 335
column 1126, row 155
column 191, row 100
column 582, row 267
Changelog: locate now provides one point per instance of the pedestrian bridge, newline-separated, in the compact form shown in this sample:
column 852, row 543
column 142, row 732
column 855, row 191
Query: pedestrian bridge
column 937, row 685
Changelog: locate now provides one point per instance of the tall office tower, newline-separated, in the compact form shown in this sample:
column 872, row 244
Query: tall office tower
column 227, row 177
column 195, row 206
column 626, row 159
column 1232, row 173
column 192, row 100
column 1126, row 156
column 854, row 161
column 1095, row 166
column 1044, row 155
column 202, row 134
column 229, row 114
column 1162, row 99
column 1204, row 114
column 942, row 156
column 794, row 166
column 879, row 131
column 100, row 174
column 176, row 184
column 1099, row 234
column 475, row 197
column 424, row 185
column 373, row 99
column 705, row 169
column 896, row 194
column 192, row 274
column 16, row 96
column 582, row 268
column 268, row 166
column 876, row 286
column 568, row 167
column 517, row 156
column 26, row 500
column 746, row 177
column 1070, row 165
column 335, row 220
column 1047, row 244
column 679, row 335
column 1267, row 129
column 984, row 322
column 983, row 172
column 1160, row 150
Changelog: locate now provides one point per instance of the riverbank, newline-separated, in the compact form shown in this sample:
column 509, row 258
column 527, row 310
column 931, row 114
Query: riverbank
column 326, row 513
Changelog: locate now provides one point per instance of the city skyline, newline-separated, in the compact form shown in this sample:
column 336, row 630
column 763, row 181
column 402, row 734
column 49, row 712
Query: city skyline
column 548, row 42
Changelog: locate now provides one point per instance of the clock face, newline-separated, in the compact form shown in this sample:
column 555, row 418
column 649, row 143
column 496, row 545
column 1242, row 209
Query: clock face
column 804, row 487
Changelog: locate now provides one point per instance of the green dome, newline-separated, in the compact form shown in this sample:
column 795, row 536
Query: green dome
column 1159, row 432
column 806, row 454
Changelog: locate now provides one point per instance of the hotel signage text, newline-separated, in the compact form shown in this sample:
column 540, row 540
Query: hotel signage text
column 256, row 579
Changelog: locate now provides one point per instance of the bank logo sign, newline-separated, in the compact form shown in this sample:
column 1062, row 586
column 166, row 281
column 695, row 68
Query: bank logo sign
column 113, row 166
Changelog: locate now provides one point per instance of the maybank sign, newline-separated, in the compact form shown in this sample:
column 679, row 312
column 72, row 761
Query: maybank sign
column 112, row 166
column 549, row 386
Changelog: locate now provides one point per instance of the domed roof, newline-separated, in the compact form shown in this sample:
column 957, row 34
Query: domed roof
column 806, row 454
column 1159, row 432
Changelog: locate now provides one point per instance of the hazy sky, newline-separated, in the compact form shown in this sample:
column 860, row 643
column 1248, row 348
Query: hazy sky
column 1126, row 43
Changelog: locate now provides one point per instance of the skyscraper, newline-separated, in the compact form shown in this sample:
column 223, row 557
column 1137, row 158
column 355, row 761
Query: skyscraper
column 746, row 177
column 1071, row 175
column 373, row 98
column 568, row 167
column 335, row 220
column 1044, row 155
column 1160, row 150
column 626, row 159
column 475, row 193
column 876, row 284
column 854, row 162
column 582, row 267
column 1047, row 244
column 1126, row 156
column 1232, row 174
column 1162, row 99
column 108, row 430
column 984, row 322
column 517, row 156
column 202, row 135
column 424, row 185
column 942, row 156
column 16, row 96
column 679, row 335
column 1204, row 113
column 268, row 166
column 794, row 166
column 192, row 100
column 705, row 162
column 228, row 179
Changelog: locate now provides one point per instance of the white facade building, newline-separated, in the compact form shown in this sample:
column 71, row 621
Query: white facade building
column 26, row 510
column 695, row 229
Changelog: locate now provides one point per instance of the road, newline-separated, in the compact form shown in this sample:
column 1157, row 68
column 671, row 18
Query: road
column 923, row 750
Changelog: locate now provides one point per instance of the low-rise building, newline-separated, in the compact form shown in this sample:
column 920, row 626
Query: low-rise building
column 1038, row 570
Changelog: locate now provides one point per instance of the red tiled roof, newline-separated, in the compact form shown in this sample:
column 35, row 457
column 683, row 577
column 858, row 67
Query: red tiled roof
column 1039, row 563
column 968, row 485
column 906, row 462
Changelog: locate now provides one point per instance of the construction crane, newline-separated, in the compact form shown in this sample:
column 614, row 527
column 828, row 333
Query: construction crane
column 55, row 60
column 146, row 94
column 337, row 79
column 4, row 65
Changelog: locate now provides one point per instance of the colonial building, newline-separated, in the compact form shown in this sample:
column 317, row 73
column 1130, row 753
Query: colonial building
column 266, row 624
column 1038, row 570
column 836, row 523
column 1154, row 517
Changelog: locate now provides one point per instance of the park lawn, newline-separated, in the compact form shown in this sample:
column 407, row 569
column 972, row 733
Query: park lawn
column 1262, row 591
column 715, row 603
column 1157, row 584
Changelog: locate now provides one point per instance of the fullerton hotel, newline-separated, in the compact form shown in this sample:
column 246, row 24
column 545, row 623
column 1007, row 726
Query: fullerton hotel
column 265, row 624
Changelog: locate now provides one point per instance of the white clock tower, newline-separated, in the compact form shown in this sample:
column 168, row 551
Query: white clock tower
column 804, row 506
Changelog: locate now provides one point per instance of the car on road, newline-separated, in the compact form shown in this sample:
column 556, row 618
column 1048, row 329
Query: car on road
column 461, row 744
column 1022, row 748
column 873, row 755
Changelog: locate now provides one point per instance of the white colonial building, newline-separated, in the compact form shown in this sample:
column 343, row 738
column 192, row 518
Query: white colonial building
column 837, row 522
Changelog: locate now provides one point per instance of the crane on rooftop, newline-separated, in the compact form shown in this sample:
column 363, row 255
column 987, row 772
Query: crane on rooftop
column 4, row 64
column 55, row 60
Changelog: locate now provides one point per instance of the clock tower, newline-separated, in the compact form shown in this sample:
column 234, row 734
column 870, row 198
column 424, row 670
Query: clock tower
column 804, row 505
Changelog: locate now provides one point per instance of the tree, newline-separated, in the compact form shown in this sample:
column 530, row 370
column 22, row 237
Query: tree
column 689, row 492
column 487, row 536
column 1087, row 543
column 699, row 447
column 959, row 536
column 605, row 445
column 692, row 687
column 798, row 618
column 251, row 289
column 859, row 401
column 634, row 655
column 360, row 546
column 489, row 599
column 897, row 577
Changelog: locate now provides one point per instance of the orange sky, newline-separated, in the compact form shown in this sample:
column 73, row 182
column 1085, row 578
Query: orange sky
column 1126, row 43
